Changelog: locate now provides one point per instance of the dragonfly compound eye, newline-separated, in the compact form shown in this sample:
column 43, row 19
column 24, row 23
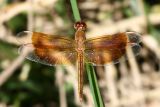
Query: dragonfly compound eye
column 80, row 25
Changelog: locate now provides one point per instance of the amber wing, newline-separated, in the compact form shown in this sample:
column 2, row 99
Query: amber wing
column 48, row 49
column 111, row 48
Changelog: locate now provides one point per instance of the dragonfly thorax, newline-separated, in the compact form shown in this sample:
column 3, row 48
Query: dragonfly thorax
column 80, row 38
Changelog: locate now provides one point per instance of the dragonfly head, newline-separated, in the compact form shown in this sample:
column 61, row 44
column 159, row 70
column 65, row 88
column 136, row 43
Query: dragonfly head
column 80, row 26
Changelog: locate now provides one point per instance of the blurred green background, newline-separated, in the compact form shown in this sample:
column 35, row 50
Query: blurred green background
column 133, row 83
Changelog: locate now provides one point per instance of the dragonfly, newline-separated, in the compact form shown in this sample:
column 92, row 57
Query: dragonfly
column 55, row 50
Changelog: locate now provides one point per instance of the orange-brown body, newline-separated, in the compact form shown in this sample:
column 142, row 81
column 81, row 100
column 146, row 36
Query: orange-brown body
column 80, row 47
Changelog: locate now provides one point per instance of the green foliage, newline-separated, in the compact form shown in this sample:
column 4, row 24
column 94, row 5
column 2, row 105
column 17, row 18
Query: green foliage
column 39, row 88
column 18, row 23
column 127, row 12
column 60, row 8
column 150, row 28
column 7, row 51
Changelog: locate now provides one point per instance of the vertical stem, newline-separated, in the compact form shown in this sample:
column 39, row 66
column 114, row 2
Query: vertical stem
column 30, row 16
column 60, row 81
column 98, row 101
column 75, row 10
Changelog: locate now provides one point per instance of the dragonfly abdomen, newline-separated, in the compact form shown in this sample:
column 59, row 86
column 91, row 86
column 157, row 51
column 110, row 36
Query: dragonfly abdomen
column 80, row 73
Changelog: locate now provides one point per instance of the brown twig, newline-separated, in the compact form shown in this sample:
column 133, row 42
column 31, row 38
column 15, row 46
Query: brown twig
column 10, row 70
column 60, row 82
column 18, row 61
column 133, row 24
column 112, row 89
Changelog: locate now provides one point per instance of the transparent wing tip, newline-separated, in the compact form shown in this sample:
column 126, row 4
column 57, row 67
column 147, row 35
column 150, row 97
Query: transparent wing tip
column 134, row 37
column 136, row 49
column 23, row 33
column 24, row 37
column 25, row 48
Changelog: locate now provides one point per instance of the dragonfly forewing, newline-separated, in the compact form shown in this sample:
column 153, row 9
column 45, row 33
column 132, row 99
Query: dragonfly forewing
column 48, row 49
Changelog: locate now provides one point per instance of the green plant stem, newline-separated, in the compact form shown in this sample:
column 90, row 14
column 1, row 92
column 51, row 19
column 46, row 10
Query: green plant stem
column 75, row 10
column 98, row 101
